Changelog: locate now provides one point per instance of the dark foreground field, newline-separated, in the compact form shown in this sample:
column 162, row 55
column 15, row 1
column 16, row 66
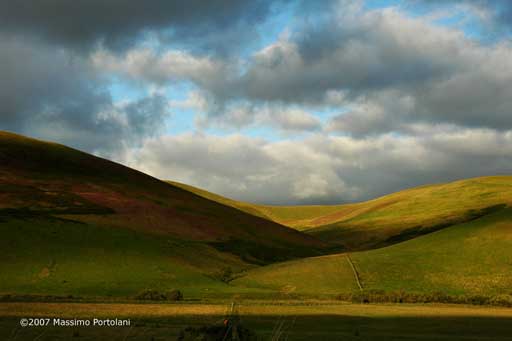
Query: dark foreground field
column 297, row 321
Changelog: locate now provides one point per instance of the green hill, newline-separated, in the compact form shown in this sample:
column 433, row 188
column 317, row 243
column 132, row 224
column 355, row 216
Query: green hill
column 407, row 214
column 297, row 217
column 77, row 224
column 389, row 219
column 471, row 258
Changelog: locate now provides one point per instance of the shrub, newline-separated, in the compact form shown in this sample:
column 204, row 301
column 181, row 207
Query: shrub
column 502, row 300
column 151, row 295
column 381, row 296
column 225, row 274
column 174, row 295
column 478, row 300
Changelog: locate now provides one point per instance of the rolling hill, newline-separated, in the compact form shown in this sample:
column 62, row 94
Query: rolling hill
column 389, row 219
column 297, row 217
column 472, row 258
column 74, row 223
column 407, row 214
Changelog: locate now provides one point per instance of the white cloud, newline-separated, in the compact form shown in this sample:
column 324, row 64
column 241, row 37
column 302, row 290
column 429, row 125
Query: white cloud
column 324, row 169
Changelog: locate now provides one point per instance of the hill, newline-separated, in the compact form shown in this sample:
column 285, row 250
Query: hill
column 297, row 217
column 470, row 258
column 410, row 213
column 75, row 223
column 389, row 219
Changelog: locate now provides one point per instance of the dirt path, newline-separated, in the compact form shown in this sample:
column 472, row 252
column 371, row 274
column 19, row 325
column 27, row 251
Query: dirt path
column 354, row 270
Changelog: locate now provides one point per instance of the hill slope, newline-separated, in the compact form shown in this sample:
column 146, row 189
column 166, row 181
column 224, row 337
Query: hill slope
column 407, row 214
column 297, row 217
column 389, row 219
column 472, row 258
column 69, row 217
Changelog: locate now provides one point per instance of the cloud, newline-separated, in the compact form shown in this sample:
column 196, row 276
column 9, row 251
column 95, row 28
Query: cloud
column 54, row 94
column 147, row 65
column 366, row 61
column 357, row 52
column 495, row 15
column 82, row 24
column 241, row 115
column 325, row 169
column 372, row 115
column 372, row 59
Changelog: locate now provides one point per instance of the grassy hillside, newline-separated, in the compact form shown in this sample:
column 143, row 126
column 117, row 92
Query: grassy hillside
column 310, row 276
column 472, row 258
column 298, row 217
column 48, row 256
column 410, row 213
column 72, row 220
column 389, row 219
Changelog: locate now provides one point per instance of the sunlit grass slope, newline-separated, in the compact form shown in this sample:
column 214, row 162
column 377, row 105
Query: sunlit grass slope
column 473, row 258
column 311, row 276
column 388, row 219
column 407, row 214
column 298, row 217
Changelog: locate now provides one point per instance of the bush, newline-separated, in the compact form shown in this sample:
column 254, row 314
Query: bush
column 381, row 296
column 502, row 300
column 174, row 295
column 155, row 295
column 151, row 295
column 225, row 274
column 478, row 300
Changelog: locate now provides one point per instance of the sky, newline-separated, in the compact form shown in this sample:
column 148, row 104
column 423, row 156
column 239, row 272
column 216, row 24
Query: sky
column 275, row 102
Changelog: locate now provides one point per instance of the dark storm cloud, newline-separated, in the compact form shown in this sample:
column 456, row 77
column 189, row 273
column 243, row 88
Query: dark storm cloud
column 118, row 23
column 54, row 94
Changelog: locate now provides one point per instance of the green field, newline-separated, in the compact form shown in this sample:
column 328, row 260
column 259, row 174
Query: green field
column 58, row 257
column 327, row 275
column 472, row 258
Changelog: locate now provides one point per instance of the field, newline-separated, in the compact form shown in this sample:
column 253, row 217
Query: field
column 467, row 259
column 327, row 275
column 299, row 321
column 67, row 258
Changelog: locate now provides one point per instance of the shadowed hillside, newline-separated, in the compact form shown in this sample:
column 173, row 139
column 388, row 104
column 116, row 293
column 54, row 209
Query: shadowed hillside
column 72, row 220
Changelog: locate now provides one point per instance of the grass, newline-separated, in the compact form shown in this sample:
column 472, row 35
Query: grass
column 45, row 179
column 410, row 213
column 59, row 257
column 300, row 321
column 472, row 258
column 389, row 219
column 298, row 217
column 318, row 276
